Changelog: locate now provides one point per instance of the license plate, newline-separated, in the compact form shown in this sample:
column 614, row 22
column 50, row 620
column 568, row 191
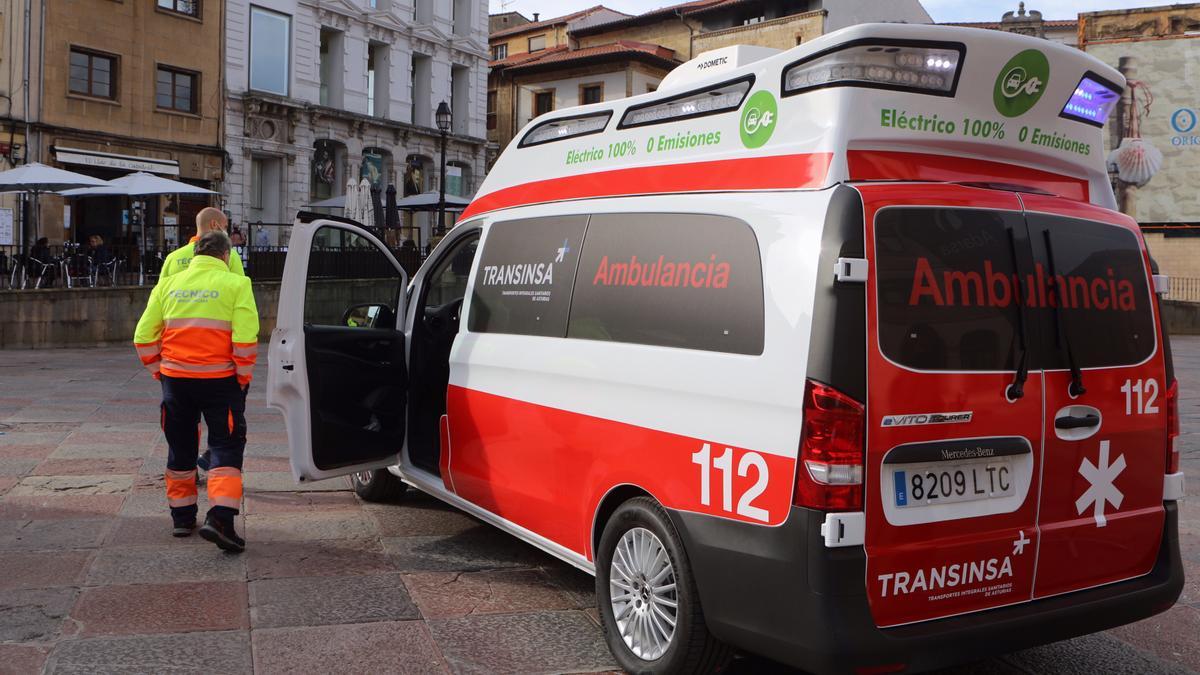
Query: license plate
column 944, row 483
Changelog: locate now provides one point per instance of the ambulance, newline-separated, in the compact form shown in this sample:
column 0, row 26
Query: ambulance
column 840, row 355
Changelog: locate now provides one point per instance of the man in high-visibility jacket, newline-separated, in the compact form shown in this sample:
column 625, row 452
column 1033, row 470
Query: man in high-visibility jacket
column 199, row 337
column 208, row 220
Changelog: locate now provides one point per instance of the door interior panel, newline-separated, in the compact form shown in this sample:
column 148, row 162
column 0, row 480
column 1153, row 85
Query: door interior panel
column 358, row 384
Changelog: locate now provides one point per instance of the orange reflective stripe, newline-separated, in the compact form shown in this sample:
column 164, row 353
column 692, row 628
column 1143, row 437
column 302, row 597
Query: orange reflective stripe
column 148, row 350
column 198, row 322
column 245, row 370
column 225, row 486
column 245, row 350
column 198, row 367
column 181, row 487
column 153, row 367
column 219, row 471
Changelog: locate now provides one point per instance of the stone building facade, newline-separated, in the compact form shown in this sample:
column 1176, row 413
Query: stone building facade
column 351, row 95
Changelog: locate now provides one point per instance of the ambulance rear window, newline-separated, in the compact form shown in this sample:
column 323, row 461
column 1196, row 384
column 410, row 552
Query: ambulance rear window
column 671, row 280
column 944, row 288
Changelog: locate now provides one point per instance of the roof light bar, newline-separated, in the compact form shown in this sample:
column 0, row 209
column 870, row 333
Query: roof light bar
column 1092, row 100
column 698, row 103
column 563, row 128
column 904, row 65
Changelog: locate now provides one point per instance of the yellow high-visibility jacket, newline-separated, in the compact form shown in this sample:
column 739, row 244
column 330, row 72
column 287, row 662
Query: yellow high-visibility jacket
column 201, row 322
column 177, row 260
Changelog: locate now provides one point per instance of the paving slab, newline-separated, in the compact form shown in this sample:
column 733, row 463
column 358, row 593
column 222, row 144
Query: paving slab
column 7, row 483
column 1172, row 636
column 150, row 531
column 309, row 526
column 578, row 585
column 312, row 601
column 161, row 608
column 332, row 557
column 98, row 466
column 420, row 515
column 209, row 652
column 443, row 595
column 42, row 569
column 34, row 615
column 35, row 486
column 353, row 649
column 259, row 503
column 44, row 535
column 165, row 564
column 23, row 451
column 16, row 466
column 16, row 659
column 537, row 642
column 480, row 548
column 278, row 481
column 56, row 506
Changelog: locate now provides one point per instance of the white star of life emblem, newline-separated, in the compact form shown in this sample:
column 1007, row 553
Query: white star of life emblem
column 1102, row 488
column 1019, row 543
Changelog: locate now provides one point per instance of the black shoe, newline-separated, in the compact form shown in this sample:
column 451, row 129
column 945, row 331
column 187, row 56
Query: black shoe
column 183, row 529
column 223, row 535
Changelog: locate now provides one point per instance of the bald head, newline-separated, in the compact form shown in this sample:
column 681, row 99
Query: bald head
column 210, row 219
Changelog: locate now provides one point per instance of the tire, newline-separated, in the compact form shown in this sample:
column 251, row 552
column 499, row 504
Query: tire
column 377, row 485
column 640, row 524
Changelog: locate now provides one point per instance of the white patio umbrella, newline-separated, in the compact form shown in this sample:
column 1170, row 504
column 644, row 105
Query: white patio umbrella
column 139, row 184
column 365, row 204
column 35, row 179
column 351, row 207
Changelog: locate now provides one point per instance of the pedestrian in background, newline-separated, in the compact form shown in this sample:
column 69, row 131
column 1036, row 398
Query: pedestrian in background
column 199, row 338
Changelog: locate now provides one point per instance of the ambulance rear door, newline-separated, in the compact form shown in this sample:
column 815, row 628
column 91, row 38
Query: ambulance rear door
column 954, row 403
column 1106, row 398
column 336, row 366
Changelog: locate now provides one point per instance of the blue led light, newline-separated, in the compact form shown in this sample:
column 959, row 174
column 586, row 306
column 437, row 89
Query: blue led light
column 1091, row 101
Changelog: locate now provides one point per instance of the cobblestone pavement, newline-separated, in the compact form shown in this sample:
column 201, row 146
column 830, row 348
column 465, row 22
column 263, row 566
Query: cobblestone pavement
column 91, row 580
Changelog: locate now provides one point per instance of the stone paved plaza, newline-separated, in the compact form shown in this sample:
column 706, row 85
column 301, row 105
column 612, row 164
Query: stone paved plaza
column 91, row 580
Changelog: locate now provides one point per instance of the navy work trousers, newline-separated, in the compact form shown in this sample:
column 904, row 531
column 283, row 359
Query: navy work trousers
column 221, row 402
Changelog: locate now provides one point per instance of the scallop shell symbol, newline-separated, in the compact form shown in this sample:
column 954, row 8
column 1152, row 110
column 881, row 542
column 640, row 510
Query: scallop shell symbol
column 1137, row 161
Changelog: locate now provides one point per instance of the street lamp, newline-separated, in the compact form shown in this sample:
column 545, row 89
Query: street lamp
column 443, row 118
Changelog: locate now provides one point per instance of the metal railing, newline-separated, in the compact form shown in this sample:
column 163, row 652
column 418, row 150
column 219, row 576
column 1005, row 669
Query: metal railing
column 1184, row 289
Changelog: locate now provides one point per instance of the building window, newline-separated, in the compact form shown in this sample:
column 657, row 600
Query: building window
column 378, row 65
column 93, row 74
column 591, row 93
column 537, row 43
column 651, row 87
column 460, row 16
column 751, row 20
column 176, row 90
column 460, row 99
column 186, row 7
column 270, row 51
column 423, row 12
column 500, row 52
column 421, row 90
column 491, row 110
column 543, row 102
column 332, row 68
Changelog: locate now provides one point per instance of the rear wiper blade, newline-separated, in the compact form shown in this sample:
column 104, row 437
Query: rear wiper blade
column 1064, row 339
column 1017, row 389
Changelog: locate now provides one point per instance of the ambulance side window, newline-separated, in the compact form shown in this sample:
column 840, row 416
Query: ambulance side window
column 346, row 270
column 944, row 288
column 671, row 280
column 526, row 273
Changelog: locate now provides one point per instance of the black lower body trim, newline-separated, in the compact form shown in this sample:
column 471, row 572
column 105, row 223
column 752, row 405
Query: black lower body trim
column 779, row 592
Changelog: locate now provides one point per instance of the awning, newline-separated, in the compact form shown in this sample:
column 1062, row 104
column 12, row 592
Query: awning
column 108, row 160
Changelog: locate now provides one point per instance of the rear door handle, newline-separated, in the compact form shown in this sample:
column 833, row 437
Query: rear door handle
column 289, row 367
column 1088, row 420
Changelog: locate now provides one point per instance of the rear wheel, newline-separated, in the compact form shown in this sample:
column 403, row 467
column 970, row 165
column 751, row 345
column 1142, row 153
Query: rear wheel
column 377, row 485
column 649, row 607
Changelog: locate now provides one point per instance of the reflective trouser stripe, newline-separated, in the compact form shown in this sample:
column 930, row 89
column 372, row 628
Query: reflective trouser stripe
column 225, row 486
column 181, row 487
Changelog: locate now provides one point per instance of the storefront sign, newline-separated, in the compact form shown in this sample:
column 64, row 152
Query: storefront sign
column 106, row 160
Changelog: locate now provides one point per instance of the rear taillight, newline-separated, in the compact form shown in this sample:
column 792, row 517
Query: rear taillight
column 829, row 474
column 1172, row 426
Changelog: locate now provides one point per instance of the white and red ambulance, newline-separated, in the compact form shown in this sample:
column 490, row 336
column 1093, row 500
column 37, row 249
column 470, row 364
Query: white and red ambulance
column 839, row 355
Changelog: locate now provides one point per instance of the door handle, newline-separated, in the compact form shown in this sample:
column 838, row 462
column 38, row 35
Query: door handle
column 1088, row 420
column 289, row 367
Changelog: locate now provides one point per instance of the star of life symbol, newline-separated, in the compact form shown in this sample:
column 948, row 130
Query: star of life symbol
column 563, row 251
column 1019, row 543
column 1102, row 489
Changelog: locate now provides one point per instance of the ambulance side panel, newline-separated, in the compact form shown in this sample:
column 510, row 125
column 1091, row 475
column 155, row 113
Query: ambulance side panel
column 544, row 426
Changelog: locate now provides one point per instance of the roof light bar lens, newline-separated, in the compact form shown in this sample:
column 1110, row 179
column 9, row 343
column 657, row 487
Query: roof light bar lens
column 1092, row 101
column 924, row 69
column 566, row 127
column 709, row 101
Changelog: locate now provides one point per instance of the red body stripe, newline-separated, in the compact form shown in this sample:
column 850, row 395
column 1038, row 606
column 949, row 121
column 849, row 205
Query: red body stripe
column 778, row 172
column 880, row 165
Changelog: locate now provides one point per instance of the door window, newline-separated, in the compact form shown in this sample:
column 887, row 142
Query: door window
column 448, row 282
column 348, row 275
column 946, row 288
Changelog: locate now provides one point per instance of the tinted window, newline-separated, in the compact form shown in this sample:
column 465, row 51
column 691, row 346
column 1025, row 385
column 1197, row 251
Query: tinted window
column 690, row 281
column 449, row 281
column 525, row 276
column 345, row 269
column 1103, row 293
column 944, row 288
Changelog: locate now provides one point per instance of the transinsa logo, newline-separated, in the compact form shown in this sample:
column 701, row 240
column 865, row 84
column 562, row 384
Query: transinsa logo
column 1021, row 83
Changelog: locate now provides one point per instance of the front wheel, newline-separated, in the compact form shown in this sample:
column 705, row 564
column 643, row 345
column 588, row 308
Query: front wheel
column 649, row 607
column 377, row 485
